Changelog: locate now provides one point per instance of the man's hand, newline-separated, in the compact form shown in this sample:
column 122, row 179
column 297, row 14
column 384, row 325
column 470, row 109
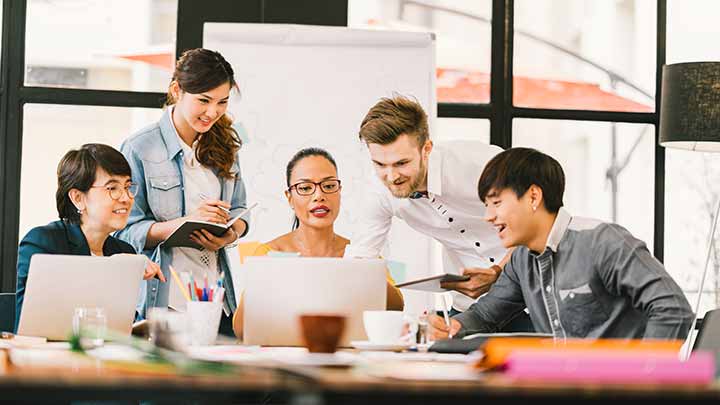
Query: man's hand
column 439, row 329
column 480, row 281
column 211, row 242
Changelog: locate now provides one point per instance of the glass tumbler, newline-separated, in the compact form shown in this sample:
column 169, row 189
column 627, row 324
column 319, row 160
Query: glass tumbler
column 90, row 324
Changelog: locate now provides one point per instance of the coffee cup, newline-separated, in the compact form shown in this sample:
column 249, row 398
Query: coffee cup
column 322, row 332
column 383, row 326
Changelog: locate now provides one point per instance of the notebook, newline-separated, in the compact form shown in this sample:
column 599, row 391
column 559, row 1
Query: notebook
column 180, row 237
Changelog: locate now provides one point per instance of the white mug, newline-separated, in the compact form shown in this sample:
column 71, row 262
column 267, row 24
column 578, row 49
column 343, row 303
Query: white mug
column 383, row 326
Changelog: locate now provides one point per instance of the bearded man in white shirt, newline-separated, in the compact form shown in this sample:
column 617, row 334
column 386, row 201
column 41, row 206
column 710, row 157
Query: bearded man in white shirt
column 433, row 189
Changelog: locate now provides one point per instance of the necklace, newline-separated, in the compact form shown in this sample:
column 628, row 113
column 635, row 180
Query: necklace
column 304, row 251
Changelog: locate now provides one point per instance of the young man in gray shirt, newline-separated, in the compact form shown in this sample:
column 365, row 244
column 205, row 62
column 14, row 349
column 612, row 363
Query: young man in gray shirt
column 578, row 277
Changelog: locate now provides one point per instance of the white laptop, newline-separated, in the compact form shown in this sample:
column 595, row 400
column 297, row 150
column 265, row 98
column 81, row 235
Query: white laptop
column 279, row 289
column 57, row 284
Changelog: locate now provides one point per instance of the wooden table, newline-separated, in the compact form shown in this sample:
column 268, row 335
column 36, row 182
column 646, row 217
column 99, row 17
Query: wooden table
column 311, row 386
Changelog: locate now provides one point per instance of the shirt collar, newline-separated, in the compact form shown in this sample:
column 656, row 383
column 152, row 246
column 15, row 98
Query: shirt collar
column 169, row 133
column 434, row 171
column 188, row 152
column 562, row 221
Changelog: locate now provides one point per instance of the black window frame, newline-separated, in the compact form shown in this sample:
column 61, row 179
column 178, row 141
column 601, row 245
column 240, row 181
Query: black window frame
column 191, row 17
column 192, row 14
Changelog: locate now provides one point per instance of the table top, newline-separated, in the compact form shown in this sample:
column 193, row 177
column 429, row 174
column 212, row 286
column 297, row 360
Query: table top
column 80, row 376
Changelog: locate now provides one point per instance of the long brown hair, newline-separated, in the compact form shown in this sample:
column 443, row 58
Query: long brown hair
column 196, row 71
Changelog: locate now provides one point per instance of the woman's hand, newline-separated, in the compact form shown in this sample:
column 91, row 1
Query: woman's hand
column 216, row 211
column 211, row 242
column 151, row 270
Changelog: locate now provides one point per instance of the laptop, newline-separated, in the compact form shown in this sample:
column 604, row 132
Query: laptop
column 57, row 284
column 280, row 289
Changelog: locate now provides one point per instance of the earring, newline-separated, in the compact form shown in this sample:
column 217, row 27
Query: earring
column 534, row 208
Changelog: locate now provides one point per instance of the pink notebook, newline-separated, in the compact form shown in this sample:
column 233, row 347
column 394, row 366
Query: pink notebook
column 610, row 367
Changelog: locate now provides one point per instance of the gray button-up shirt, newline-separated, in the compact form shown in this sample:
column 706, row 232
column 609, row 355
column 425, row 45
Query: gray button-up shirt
column 593, row 280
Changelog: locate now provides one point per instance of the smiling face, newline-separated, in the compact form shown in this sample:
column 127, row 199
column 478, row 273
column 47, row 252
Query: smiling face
column 199, row 112
column 99, row 210
column 401, row 165
column 321, row 208
column 511, row 216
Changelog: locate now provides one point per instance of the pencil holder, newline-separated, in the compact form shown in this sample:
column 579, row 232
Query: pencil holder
column 203, row 319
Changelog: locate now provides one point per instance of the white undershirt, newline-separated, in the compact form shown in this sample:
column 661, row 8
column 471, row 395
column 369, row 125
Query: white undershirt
column 197, row 180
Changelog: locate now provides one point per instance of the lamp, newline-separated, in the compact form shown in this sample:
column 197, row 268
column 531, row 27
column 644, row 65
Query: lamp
column 690, row 119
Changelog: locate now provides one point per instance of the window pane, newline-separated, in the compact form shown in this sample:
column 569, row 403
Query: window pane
column 690, row 30
column 692, row 178
column 585, row 151
column 691, row 192
column 462, row 39
column 100, row 44
column 465, row 129
column 618, row 36
column 49, row 131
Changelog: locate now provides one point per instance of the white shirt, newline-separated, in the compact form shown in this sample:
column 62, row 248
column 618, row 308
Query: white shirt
column 452, row 213
column 197, row 180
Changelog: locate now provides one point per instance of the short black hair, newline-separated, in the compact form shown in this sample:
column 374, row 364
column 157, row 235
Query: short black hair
column 77, row 170
column 520, row 168
column 300, row 155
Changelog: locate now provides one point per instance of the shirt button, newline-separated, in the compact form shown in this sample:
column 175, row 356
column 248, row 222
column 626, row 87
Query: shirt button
column 548, row 288
column 154, row 289
column 165, row 183
column 572, row 295
column 477, row 244
column 556, row 322
column 450, row 219
column 462, row 231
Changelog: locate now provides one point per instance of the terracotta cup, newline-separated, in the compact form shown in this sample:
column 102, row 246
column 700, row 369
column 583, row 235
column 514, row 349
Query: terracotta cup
column 322, row 332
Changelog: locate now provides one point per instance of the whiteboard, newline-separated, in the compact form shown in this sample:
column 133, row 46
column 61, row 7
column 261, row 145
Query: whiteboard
column 304, row 86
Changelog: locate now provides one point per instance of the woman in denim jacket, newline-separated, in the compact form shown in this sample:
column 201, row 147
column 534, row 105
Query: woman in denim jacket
column 187, row 168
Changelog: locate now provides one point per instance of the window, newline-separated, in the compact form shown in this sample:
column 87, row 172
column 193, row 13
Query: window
column 692, row 179
column 585, row 151
column 462, row 42
column 465, row 129
column 44, row 147
column 585, row 55
column 100, row 44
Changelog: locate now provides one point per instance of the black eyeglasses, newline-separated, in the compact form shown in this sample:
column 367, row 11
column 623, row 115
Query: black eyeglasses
column 308, row 187
column 116, row 191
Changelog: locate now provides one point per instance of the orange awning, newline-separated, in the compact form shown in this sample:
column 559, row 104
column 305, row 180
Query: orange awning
column 460, row 86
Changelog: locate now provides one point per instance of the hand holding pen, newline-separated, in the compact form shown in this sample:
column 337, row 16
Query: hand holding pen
column 211, row 210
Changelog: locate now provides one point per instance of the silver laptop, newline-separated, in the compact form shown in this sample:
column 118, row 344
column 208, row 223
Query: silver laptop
column 279, row 289
column 57, row 284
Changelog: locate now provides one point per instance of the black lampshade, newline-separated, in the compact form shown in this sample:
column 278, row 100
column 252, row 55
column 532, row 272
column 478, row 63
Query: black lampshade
column 690, row 107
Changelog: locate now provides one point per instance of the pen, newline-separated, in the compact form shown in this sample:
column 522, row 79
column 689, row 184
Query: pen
column 445, row 315
column 179, row 284
column 204, row 197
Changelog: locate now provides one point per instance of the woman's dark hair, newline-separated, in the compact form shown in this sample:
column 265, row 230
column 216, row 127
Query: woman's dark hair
column 519, row 168
column 77, row 170
column 196, row 71
column 300, row 155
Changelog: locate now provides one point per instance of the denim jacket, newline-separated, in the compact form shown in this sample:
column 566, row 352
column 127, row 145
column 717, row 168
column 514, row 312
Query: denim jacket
column 155, row 157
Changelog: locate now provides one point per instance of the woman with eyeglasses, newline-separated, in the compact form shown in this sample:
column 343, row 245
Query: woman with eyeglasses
column 187, row 166
column 94, row 197
column 314, row 195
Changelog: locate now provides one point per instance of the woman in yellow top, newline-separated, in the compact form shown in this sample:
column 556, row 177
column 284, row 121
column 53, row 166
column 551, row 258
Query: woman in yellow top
column 314, row 194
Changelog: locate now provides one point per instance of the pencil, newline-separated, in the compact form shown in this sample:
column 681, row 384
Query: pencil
column 179, row 284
